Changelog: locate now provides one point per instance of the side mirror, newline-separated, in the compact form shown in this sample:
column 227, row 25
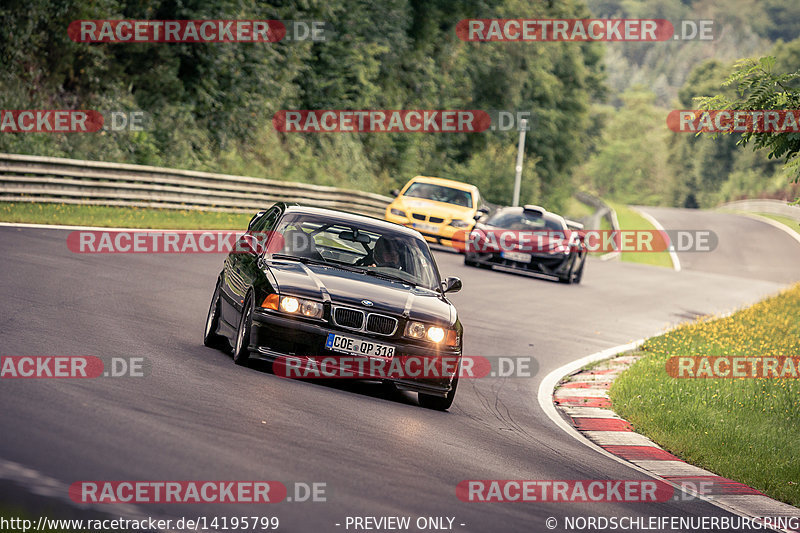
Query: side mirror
column 395, row 192
column 451, row 284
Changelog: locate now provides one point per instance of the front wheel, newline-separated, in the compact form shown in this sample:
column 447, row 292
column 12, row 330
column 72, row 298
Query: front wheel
column 241, row 351
column 210, row 336
column 579, row 273
column 439, row 403
column 568, row 277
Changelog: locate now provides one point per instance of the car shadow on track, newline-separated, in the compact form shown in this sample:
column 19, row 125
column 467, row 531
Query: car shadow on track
column 524, row 274
column 371, row 388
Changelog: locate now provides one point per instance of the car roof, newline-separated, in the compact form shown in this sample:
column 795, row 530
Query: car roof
column 445, row 182
column 352, row 218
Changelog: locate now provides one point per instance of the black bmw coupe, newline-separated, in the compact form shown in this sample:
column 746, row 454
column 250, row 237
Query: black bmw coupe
column 315, row 286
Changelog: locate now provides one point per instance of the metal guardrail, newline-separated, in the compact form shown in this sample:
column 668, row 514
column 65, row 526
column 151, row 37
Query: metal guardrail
column 602, row 210
column 771, row 207
column 26, row 178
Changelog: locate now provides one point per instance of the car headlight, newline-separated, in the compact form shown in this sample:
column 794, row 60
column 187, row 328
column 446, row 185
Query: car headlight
column 289, row 304
column 418, row 330
column 397, row 212
column 435, row 334
column 293, row 306
column 459, row 224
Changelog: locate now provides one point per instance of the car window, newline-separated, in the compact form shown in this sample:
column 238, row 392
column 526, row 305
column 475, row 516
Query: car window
column 439, row 193
column 372, row 249
column 524, row 221
column 266, row 222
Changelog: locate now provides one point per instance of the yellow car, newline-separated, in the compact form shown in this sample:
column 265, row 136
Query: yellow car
column 443, row 211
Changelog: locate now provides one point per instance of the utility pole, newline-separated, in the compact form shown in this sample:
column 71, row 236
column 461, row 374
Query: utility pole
column 523, row 125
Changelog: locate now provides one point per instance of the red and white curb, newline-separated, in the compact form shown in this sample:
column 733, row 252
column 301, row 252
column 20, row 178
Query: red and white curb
column 577, row 401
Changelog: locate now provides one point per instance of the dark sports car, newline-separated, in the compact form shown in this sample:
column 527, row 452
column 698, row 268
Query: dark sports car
column 531, row 239
column 308, row 284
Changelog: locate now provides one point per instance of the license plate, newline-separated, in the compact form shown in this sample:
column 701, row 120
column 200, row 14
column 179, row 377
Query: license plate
column 516, row 256
column 426, row 227
column 353, row 346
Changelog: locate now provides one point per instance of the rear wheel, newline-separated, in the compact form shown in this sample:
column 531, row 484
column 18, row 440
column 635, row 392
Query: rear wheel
column 241, row 351
column 439, row 403
column 210, row 336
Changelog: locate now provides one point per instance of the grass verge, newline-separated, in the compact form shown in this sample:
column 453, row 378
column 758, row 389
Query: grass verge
column 631, row 220
column 744, row 429
column 119, row 217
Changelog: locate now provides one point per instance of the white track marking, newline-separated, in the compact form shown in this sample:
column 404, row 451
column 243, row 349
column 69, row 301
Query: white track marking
column 676, row 263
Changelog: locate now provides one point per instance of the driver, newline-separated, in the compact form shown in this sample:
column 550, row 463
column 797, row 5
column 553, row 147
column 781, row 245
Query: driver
column 386, row 253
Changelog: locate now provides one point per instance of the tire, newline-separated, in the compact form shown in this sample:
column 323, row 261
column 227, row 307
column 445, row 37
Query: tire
column 210, row 336
column 389, row 388
column 439, row 403
column 241, row 348
column 476, row 264
column 579, row 273
column 567, row 280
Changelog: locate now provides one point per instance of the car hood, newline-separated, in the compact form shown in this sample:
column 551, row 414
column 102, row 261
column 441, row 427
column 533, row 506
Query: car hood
column 342, row 287
column 433, row 208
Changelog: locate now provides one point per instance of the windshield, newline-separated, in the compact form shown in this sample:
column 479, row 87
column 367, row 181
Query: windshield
column 377, row 251
column 439, row 193
column 525, row 220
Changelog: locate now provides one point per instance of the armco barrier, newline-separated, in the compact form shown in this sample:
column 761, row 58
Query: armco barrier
column 772, row 207
column 26, row 178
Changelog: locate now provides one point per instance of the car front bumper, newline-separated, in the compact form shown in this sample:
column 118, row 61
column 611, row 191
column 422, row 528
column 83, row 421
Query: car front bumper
column 551, row 264
column 274, row 336
column 446, row 235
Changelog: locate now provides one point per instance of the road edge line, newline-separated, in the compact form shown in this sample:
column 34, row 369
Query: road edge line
column 676, row 263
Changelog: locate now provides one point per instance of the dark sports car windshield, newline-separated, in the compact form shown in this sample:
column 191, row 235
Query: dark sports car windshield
column 524, row 220
column 376, row 251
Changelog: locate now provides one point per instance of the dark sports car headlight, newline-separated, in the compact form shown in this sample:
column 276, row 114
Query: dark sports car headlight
column 418, row 330
column 293, row 306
